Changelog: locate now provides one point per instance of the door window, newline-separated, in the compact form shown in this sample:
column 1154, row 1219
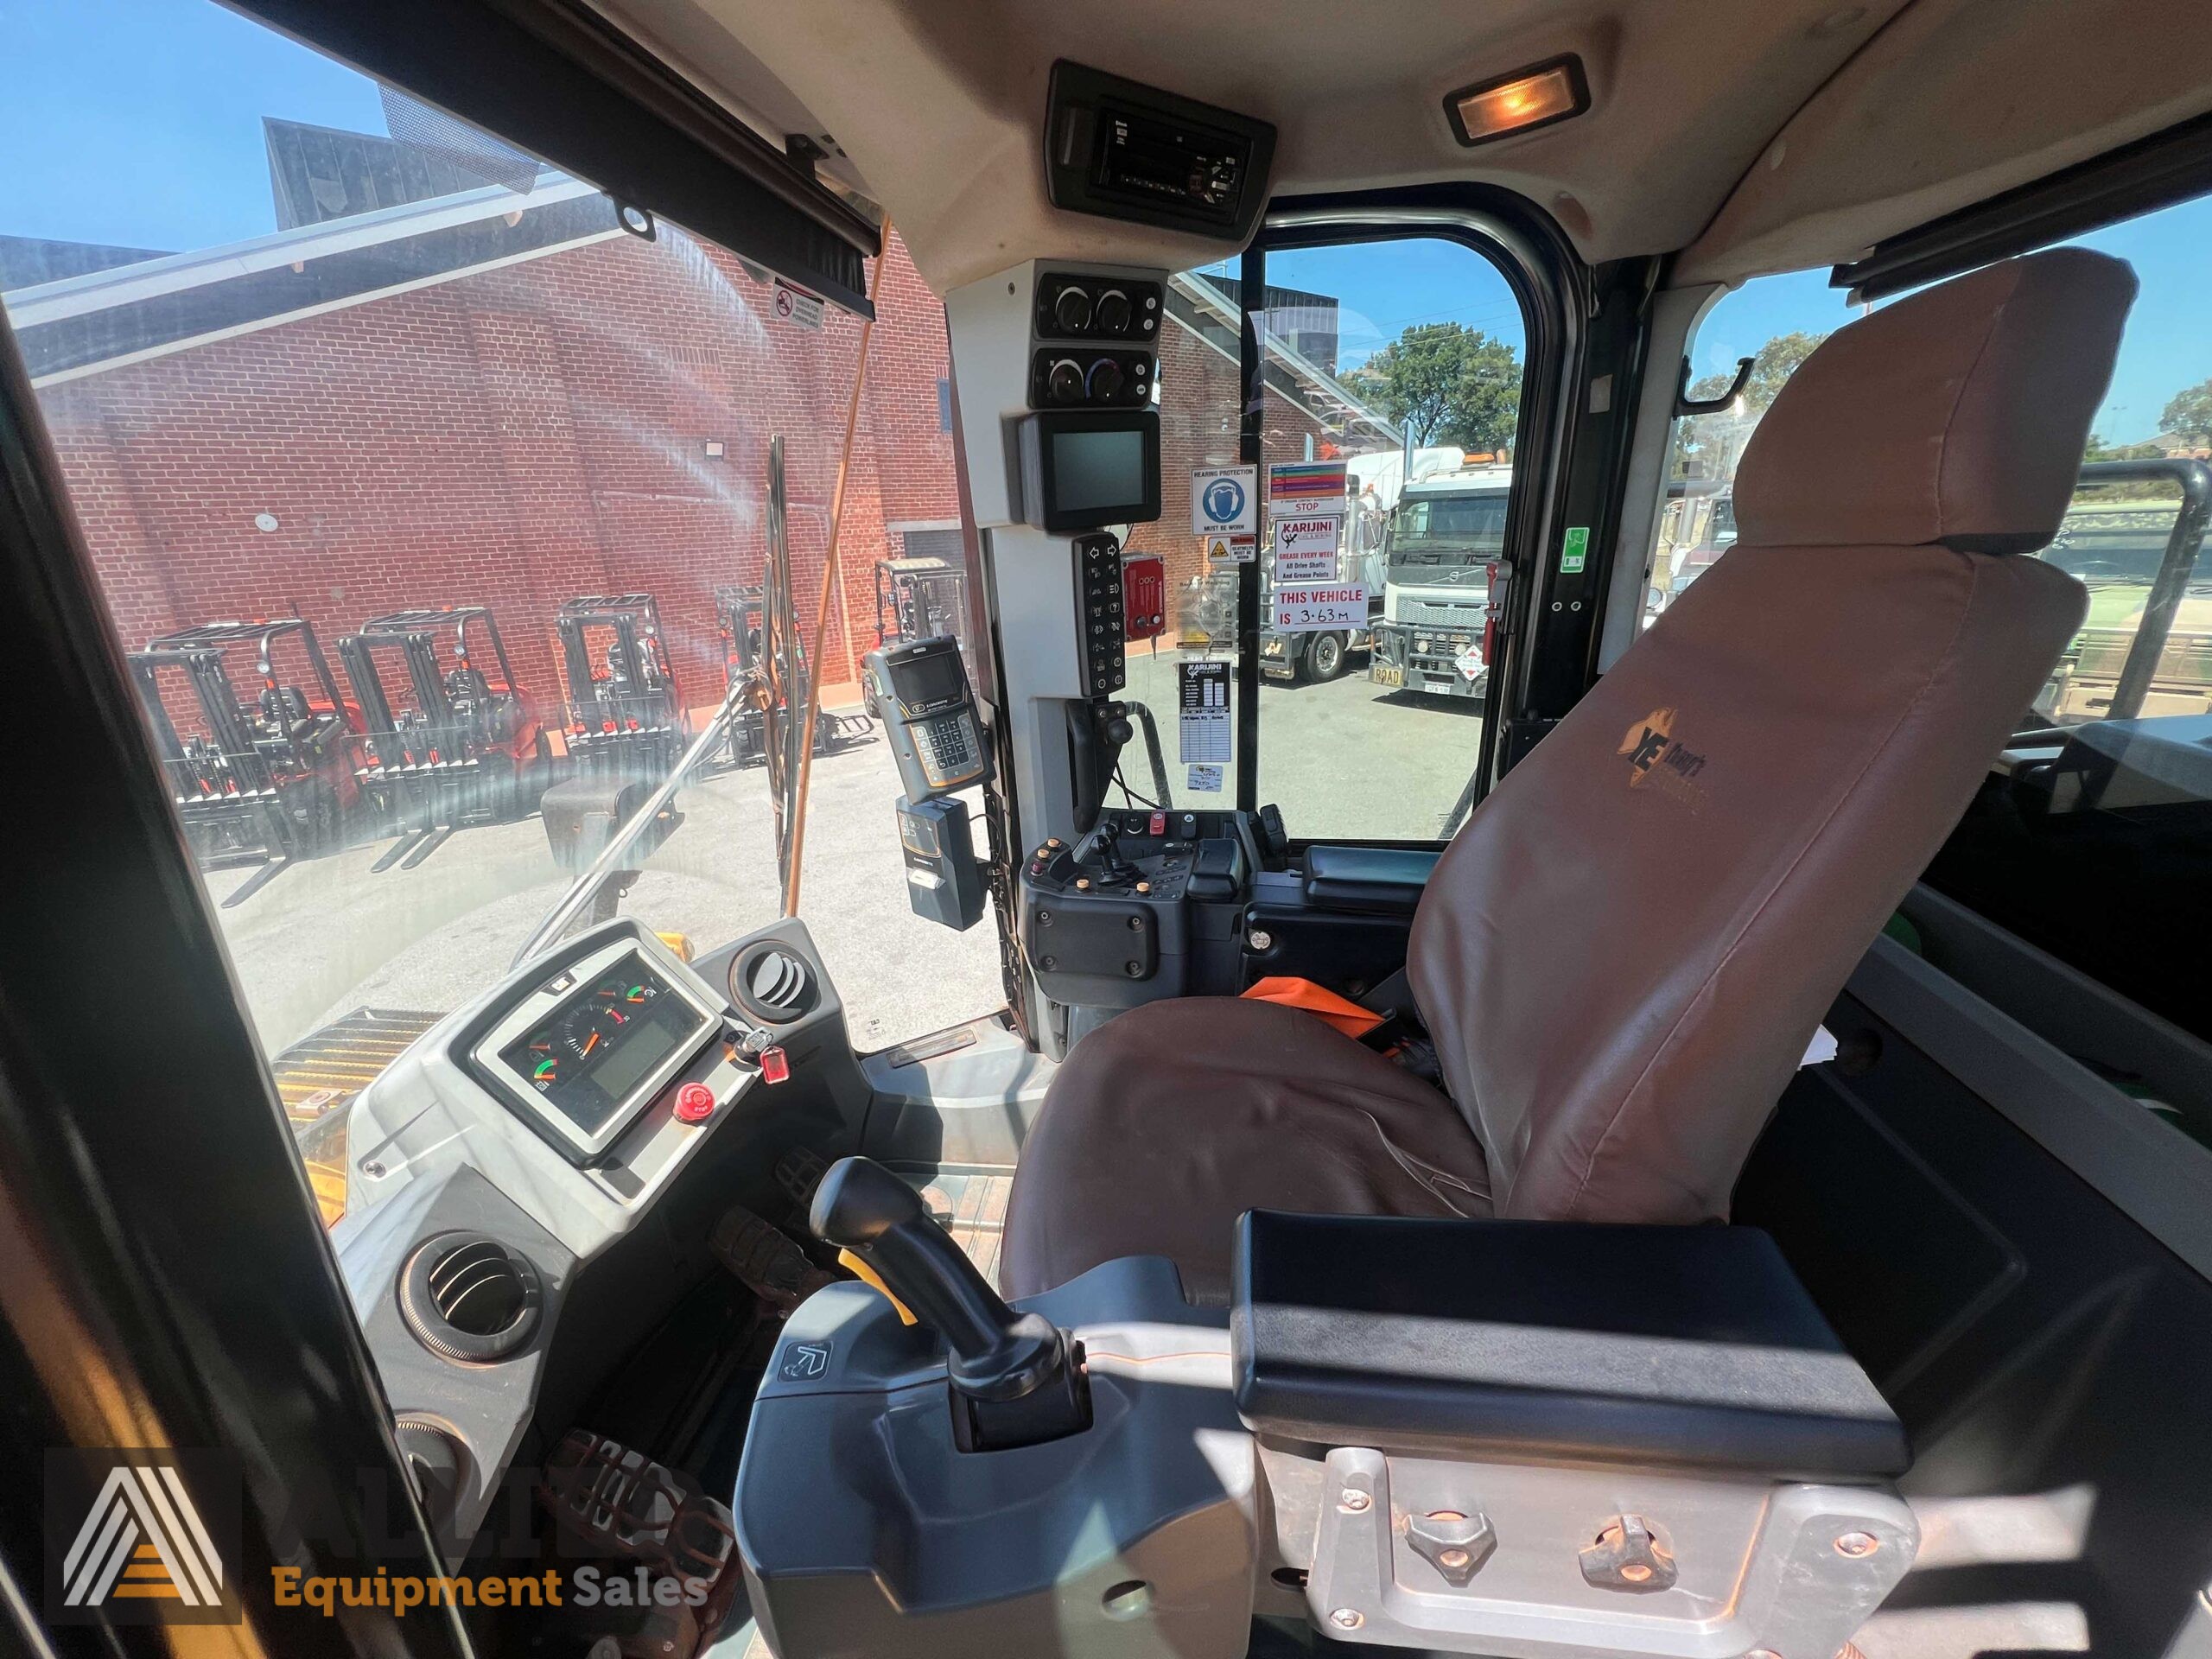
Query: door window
column 1393, row 377
column 415, row 484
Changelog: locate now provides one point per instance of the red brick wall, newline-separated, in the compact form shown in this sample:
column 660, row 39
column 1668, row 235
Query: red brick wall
column 519, row 436
column 513, row 437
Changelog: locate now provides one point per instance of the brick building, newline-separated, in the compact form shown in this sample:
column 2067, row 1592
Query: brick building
column 502, row 398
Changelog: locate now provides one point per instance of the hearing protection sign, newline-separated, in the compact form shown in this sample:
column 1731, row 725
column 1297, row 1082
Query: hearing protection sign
column 1225, row 501
column 1202, row 712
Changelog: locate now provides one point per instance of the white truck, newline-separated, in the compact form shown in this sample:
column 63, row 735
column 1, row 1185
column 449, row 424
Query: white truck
column 1443, row 574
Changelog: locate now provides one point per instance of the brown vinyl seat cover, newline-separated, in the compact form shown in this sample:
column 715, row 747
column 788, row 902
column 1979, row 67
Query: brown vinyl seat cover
column 1623, row 955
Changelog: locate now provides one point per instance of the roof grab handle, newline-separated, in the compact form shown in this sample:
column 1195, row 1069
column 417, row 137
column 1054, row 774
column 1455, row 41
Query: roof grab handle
column 1686, row 404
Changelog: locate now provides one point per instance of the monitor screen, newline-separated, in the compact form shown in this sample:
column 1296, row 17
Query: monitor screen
column 1096, row 470
column 931, row 677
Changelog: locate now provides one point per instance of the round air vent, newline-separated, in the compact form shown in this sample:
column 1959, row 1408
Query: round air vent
column 773, row 984
column 468, row 1297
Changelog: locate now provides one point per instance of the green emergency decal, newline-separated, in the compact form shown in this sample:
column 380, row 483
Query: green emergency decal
column 1574, row 551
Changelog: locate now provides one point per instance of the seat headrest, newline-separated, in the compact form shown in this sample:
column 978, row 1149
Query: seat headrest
column 1957, row 415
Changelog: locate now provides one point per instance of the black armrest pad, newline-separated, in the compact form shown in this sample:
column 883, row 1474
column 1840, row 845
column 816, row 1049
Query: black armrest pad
column 1389, row 879
column 1692, row 1346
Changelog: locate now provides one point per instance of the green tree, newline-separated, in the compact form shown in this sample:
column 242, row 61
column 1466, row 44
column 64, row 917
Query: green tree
column 2188, row 415
column 1445, row 382
column 2100, row 448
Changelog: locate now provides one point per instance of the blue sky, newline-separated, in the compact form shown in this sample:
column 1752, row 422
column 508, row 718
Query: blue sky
column 139, row 122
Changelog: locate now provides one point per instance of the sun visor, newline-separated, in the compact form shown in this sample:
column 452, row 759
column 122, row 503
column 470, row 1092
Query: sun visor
column 562, row 83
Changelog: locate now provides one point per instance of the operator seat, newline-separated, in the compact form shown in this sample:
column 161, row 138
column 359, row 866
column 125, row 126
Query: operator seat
column 1623, row 955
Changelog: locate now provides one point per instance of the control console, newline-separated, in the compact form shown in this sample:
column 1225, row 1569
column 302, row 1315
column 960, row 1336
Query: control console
column 1147, row 905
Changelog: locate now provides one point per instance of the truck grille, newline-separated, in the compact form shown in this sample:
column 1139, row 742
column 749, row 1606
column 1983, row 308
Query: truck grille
column 1420, row 614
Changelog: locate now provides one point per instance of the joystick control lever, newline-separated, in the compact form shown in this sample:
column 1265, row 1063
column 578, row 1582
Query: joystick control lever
column 1114, row 870
column 1017, row 1378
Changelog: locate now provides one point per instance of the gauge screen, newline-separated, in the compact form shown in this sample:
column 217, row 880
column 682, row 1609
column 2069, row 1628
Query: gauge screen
column 584, row 1058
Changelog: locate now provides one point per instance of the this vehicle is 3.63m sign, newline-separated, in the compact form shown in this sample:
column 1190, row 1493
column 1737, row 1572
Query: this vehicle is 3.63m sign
column 1310, row 609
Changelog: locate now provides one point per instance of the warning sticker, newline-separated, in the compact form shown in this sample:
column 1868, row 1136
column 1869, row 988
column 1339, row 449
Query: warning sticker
column 1230, row 550
column 796, row 305
column 1202, row 711
column 1306, row 549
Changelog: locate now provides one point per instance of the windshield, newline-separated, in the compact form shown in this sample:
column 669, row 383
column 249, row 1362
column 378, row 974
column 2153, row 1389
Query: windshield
column 1455, row 534
column 438, row 504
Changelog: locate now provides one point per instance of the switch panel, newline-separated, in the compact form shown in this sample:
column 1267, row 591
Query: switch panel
column 1098, row 571
column 1089, row 377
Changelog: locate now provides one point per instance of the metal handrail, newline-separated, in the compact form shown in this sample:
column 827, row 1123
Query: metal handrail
column 2194, row 479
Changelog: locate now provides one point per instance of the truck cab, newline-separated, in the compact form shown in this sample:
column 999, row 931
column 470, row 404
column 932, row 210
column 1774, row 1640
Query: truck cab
column 1443, row 583
column 1668, row 1117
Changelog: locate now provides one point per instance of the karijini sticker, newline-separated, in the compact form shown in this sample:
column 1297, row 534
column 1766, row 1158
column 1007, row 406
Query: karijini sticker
column 1205, row 781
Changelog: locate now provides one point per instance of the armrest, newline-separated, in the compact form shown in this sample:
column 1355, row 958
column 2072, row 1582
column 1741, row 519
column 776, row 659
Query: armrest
column 1386, row 879
column 1692, row 1346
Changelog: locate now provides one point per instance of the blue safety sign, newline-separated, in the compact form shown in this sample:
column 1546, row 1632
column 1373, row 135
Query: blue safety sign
column 1224, row 501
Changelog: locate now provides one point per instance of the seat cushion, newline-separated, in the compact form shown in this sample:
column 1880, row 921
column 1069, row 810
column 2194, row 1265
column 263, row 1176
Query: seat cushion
column 1169, row 1122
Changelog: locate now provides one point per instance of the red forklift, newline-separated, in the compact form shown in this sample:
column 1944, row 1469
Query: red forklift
column 627, row 724
column 268, row 779
column 466, row 745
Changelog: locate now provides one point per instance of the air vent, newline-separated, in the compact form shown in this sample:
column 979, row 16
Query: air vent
column 467, row 1297
column 773, row 985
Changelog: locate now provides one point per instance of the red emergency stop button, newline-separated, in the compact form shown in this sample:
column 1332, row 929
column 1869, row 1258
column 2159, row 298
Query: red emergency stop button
column 695, row 1103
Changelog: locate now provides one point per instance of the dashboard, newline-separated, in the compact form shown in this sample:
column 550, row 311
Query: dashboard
column 532, row 1186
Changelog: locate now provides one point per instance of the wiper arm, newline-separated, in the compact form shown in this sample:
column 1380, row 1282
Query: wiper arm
column 586, row 886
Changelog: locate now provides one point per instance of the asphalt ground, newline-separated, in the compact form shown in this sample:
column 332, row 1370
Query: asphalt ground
column 329, row 936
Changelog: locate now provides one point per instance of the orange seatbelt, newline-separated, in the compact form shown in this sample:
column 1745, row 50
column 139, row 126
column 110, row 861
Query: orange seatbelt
column 1319, row 1000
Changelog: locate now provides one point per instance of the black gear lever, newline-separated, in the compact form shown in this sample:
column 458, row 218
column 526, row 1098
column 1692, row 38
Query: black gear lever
column 1017, row 1378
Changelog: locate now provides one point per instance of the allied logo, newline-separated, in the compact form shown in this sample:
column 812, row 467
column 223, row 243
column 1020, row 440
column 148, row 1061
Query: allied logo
column 138, row 1536
column 1658, row 760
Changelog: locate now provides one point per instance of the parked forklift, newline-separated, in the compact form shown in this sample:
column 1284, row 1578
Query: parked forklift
column 627, row 724
column 466, row 746
column 739, row 621
column 268, row 779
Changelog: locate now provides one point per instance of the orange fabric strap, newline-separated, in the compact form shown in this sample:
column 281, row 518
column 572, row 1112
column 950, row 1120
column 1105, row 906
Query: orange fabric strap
column 1345, row 1014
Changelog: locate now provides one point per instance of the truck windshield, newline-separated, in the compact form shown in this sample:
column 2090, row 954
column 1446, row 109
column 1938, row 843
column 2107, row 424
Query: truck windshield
column 1454, row 533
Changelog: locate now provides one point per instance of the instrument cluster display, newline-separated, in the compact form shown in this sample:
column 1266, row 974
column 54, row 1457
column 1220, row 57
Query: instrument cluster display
column 584, row 1058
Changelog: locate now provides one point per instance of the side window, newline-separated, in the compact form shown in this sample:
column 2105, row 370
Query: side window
column 418, row 486
column 1777, row 321
column 1394, row 374
column 2092, row 839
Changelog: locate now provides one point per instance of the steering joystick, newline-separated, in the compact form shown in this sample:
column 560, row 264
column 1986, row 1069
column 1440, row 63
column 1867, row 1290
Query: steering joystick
column 1017, row 1378
column 1114, row 870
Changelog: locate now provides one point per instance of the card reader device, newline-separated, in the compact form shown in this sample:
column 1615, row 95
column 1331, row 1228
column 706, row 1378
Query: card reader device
column 919, row 689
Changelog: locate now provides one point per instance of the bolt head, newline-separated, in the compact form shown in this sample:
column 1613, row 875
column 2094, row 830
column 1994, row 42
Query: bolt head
column 1857, row 1544
column 1353, row 1502
column 1347, row 1618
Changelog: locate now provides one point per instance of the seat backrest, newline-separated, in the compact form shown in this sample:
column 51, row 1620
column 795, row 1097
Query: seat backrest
column 1625, row 952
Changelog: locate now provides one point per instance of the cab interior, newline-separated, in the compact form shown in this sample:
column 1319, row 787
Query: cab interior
column 1736, row 1180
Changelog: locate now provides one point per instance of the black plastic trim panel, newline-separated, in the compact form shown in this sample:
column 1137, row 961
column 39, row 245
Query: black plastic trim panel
column 1691, row 1346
